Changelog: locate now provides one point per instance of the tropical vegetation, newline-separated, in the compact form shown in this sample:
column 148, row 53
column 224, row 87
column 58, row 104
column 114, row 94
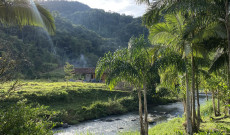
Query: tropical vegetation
column 187, row 52
column 190, row 43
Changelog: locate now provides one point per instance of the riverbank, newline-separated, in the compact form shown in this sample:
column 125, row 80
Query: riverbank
column 210, row 125
column 77, row 102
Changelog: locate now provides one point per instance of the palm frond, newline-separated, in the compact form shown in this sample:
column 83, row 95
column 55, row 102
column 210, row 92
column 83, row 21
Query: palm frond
column 122, row 71
column 212, row 29
column 143, row 1
column 204, row 73
column 48, row 20
column 201, row 62
column 170, row 59
column 26, row 12
column 220, row 60
column 154, row 13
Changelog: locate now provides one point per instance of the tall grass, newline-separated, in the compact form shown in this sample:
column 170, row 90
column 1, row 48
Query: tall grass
column 206, row 109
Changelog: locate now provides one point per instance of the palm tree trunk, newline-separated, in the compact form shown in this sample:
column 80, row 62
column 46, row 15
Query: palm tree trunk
column 22, row 36
column 228, row 38
column 193, row 94
column 146, row 125
column 213, row 102
column 198, row 104
column 184, row 104
column 188, row 111
column 206, row 93
column 191, row 105
column 218, row 103
column 142, row 132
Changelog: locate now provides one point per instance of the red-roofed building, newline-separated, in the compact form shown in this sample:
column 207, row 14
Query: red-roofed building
column 88, row 73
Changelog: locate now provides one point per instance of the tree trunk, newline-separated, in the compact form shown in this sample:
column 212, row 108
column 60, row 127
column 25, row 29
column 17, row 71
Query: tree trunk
column 184, row 104
column 218, row 103
column 193, row 94
column 198, row 104
column 146, row 125
column 228, row 38
column 206, row 93
column 22, row 36
column 191, row 105
column 188, row 111
column 142, row 132
column 213, row 102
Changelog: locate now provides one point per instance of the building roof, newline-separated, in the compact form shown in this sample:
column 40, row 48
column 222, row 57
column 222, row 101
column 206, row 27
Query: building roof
column 84, row 70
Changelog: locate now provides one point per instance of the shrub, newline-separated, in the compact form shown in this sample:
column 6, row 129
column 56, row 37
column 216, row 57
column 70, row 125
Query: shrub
column 95, row 110
column 114, row 107
column 24, row 119
column 207, row 109
column 100, row 109
column 129, row 103
column 163, row 92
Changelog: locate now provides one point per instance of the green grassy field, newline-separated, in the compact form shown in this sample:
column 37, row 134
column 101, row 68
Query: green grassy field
column 77, row 102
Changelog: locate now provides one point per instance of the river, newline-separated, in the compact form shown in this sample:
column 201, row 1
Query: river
column 112, row 125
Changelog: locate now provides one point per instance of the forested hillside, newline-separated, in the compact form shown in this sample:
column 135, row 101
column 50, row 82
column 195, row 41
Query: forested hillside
column 82, row 36
column 106, row 24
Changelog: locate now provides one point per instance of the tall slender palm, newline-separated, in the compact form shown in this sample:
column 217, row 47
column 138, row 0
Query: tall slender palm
column 25, row 12
column 171, row 33
column 133, row 65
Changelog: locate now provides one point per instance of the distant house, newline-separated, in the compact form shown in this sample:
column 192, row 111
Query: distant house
column 88, row 73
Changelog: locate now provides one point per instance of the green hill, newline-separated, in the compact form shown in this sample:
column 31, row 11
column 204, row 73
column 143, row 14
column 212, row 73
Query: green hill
column 82, row 36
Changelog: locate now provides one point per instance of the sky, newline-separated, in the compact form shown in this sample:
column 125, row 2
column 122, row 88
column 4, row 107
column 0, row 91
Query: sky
column 128, row 7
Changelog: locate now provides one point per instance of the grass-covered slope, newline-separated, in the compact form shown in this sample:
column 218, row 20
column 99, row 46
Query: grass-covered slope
column 77, row 102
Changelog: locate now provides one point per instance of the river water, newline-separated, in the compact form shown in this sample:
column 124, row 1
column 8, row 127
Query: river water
column 113, row 125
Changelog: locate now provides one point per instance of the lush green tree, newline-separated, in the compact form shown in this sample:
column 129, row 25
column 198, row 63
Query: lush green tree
column 68, row 69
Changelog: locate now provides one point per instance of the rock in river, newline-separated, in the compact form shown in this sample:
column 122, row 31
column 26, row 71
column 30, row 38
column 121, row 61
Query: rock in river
column 65, row 125
column 109, row 120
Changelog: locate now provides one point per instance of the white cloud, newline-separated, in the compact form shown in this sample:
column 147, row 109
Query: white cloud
column 128, row 7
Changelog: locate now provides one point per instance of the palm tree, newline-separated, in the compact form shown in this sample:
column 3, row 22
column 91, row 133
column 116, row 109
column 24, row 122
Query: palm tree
column 217, row 10
column 25, row 12
column 133, row 65
column 171, row 67
column 171, row 33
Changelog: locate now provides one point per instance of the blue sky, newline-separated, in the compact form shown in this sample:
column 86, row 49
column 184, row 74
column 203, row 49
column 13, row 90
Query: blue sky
column 128, row 7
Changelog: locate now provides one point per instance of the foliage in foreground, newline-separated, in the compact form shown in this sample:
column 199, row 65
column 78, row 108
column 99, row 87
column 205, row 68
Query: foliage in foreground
column 25, row 120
